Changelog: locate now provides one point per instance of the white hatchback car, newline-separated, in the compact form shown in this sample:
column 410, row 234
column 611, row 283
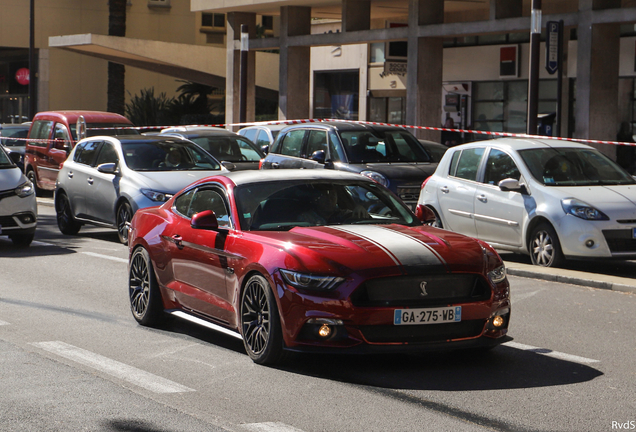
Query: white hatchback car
column 18, row 206
column 551, row 200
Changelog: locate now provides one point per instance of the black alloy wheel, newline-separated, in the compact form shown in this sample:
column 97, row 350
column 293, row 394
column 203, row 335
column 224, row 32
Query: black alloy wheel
column 545, row 248
column 66, row 222
column 260, row 323
column 124, row 216
column 146, row 304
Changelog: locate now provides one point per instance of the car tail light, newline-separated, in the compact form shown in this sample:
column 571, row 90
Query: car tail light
column 424, row 182
column 260, row 163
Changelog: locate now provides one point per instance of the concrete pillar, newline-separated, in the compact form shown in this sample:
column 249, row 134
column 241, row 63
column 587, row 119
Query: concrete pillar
column 294, row 72
column 233, row 67
column 424, row 69
column 356, row 15
column 500, row 9
column 597, row 77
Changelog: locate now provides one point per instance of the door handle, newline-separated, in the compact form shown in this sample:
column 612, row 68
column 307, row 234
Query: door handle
column 90, row 180
column 482, row 198
column 444, row 189
column 70, row 174
column 178, row 240
column 275, row 164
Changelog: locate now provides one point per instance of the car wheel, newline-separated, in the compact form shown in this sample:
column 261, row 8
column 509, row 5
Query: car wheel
column 124, row 216
column 260, row 323
column 22, row 240
column 544, row 247
column 437, row 223
column 30, row 175
column 146, row 303
column 66, row 222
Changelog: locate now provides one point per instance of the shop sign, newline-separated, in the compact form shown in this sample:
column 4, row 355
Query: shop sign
column 394, row 68
column 22, row 76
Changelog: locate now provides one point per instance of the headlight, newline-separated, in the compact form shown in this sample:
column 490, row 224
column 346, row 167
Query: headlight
column 308, row 281
column 497, row 275
column 156, row 196
column 25, row 189
column 376, row 177
column 582, row 210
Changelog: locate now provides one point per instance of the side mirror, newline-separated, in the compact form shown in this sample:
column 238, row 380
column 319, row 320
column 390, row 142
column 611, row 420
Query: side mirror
column 425, row 214
column 15, row 157
column 205, row 220
column 228, row 165
column 265, row 149
column 319, row 156
column 107, row 168
column 509, row 184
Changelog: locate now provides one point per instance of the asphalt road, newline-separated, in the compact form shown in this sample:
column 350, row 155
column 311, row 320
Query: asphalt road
column 73, row 358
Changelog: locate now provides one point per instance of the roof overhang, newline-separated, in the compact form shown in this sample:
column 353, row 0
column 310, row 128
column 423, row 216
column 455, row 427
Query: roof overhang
column 196, row 63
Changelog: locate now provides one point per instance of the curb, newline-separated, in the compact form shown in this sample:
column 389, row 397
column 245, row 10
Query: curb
column 574, row 280
column 48, row 202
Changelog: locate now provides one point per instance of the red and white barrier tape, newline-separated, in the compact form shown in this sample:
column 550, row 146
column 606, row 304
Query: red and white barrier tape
column 292, row 122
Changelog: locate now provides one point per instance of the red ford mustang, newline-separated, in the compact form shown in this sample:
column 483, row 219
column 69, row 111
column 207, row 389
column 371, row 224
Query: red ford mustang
column 309, row 260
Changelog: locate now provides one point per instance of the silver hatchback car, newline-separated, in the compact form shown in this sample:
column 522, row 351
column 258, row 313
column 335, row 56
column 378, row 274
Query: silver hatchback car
column 105, row 180
column 18, row 207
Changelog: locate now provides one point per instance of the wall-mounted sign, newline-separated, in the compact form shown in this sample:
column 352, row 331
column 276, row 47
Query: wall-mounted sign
column 552, row 44
column 394, row 68
column 22, row 76
column 509, row 61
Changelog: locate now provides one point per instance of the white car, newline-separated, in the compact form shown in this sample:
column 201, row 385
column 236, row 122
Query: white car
column 18, row 206
column 551, row 200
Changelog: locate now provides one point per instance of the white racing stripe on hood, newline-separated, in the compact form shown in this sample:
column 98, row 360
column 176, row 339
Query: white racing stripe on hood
column 403, row 249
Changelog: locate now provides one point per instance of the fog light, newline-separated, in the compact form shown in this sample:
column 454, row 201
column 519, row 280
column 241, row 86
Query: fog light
column 498, row 321
column 324, row 331
column 589, row 243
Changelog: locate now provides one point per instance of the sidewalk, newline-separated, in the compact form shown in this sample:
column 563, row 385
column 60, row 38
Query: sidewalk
column 592, row 280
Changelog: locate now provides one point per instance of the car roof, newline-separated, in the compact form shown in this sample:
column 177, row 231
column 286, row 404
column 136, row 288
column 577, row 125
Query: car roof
column 130, row 139
column 258, row 176
column 199, row 129
column 198, row 132
column 273, row 127
column 517, row 144
column 89, row 116
column 343, row 126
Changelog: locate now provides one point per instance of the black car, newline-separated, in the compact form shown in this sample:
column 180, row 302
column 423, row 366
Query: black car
column 232, row 150
column 15, row 147
column 389, row 155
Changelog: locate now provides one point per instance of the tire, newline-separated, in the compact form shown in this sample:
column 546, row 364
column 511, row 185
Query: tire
column 260, row 322
column 22, row 239
column 437, row 223
column 66, row 222
column 146, row 303
column 544, row 247
column 124, row 216
column 30, row 175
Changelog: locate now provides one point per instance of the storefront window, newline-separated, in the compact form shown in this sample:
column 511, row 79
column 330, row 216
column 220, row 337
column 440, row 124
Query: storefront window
column 336, row 94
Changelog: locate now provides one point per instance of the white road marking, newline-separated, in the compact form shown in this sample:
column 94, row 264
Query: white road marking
column 39, row 243
column 515, row 297
column 114, row 368
column 108, row 257
column 270, row 427
column 550, row 353
column 3, row 323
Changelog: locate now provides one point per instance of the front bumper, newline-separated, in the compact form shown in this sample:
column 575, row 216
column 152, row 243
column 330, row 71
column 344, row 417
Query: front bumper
column 597, row 239
column 18, row 214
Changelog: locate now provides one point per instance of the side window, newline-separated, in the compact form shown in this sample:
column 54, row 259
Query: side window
column 209, row 199
column 78, row 151
column 468, row 164
column 250, row 134
column 317, row 141
column 41, row 129
column 453, row 164
column 62, row 138
column 88, row 153
column 500, row 166
column 107, row 154
column 335, row 149
column 262, row 139
column 292, row 143
column 182, row 202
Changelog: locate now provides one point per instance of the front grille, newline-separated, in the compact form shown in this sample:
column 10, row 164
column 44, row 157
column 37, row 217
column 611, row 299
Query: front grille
column 421, row 291
column 627, row 221
column 423, row 333
column 7, row 222
column 620, row 240
column 408, row 193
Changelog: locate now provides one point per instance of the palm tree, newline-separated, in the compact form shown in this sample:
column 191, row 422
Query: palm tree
column 116, row 71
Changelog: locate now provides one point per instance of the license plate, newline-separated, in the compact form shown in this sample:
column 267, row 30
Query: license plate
column 427, row 316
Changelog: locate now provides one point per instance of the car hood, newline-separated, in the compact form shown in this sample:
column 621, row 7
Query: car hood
column 11, row 178
column 601, row 195
column 400, row 172
column 378, row 249
column 171, row 181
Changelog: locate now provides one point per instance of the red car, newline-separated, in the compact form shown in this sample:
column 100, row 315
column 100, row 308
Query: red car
column 313, row 261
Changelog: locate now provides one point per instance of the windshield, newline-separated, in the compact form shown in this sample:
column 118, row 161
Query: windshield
column 229, row 148
column 167, row 156
column 283, row 205
column 574, row 167
column 388, row 146
column 5, row 161
column 108, row 129
column 14, row 133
